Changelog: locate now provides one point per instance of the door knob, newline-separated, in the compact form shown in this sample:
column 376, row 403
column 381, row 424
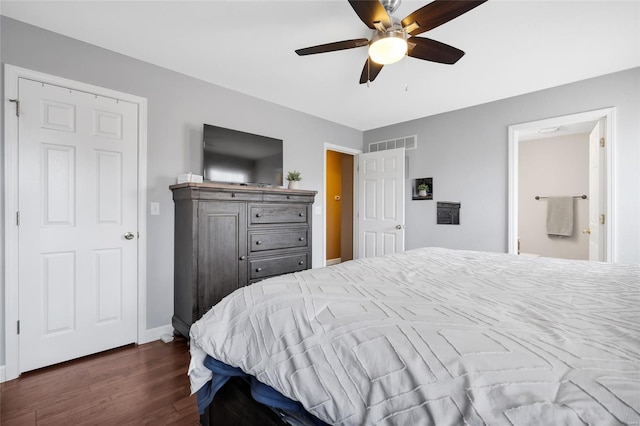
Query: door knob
column 398, row 226
column 586, row 231
column 128, row 236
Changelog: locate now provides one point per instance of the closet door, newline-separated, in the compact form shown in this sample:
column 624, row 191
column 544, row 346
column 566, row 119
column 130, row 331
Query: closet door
column 78, row 234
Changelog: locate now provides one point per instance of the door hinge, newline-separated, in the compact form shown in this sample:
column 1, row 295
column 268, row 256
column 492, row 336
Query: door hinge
column 602, row 142
column 17, row 218
column 17, row 102
column 602, row 219
column 18, row 326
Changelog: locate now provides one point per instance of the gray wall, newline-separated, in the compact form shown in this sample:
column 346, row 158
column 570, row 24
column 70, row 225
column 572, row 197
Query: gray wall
column 177, row 108
column 465, row 152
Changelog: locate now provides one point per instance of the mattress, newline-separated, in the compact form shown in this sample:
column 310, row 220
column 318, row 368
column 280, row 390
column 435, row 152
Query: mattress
column 438, row 336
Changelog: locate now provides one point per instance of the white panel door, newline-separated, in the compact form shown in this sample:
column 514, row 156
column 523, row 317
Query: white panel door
column 381, row 203
column 596, row 229
column 77, row 201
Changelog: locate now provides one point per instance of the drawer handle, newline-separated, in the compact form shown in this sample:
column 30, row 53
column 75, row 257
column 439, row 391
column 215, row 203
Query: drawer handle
column 301, row 215
column 233, row 195
column 288, row 197
column 258, row 269
column 301, row 239
column 258, row 242
column 258, row 214
column 243, row 257
column 301, row 262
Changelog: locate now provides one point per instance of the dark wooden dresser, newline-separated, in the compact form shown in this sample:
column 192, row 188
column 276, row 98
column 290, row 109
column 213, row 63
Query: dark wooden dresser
column 228, row 236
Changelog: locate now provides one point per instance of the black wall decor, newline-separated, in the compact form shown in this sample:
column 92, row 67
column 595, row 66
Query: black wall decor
column 448, row 213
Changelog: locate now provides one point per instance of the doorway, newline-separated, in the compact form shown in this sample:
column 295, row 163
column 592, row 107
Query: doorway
column 76, row 168
column 587, row 142
column 339, row 173
column 340, row 192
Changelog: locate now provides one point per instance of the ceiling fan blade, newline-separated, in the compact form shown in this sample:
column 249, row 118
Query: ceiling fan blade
column 332, row 47
column 432, row 50
column 437, row 13
column 370, row 11
column 370, row 71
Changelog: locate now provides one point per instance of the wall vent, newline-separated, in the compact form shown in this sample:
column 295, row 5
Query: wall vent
column 407, row 142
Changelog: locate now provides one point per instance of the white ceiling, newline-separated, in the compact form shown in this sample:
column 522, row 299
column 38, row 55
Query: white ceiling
column 512, row 47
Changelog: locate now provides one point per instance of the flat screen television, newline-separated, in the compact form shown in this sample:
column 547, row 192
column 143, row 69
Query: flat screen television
column 235, row 157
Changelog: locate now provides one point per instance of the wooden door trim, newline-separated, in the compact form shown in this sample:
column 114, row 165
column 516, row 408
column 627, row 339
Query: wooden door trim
column 12, row 74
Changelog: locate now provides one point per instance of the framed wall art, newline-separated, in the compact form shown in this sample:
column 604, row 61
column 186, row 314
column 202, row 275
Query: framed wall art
column 423, row 189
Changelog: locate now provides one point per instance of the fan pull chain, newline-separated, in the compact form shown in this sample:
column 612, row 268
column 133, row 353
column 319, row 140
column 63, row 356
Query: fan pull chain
column 368, row 71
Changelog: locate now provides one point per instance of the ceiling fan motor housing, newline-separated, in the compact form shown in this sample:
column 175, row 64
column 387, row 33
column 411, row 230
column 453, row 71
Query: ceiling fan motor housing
column 390, row 5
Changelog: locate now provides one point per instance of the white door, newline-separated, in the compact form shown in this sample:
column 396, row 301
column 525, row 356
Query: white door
column 596, row 228
column 78, row 203
column 381, row 203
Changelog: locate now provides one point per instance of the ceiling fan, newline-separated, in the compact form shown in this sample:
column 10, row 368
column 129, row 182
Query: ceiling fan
column 393, row 39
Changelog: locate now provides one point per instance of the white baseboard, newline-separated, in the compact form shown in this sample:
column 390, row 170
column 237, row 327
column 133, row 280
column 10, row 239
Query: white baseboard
column 155, row 334
column 3, row 377
column 334, row 261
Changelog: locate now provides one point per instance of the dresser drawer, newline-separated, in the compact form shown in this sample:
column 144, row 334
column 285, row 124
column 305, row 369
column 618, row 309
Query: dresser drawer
column 230, row 196
column 277, row 265
column 277, row 213
column 300, row 198
column 272, row 240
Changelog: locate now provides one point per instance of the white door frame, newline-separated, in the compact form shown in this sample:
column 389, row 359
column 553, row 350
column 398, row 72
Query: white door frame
column 355, row 153
column 606, row 114
column 11, row 278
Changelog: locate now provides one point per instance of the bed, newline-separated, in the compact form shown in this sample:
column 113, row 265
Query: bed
column 438, row 336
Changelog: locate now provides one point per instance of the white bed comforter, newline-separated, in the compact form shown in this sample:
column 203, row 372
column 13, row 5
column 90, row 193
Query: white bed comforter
column 437, row 336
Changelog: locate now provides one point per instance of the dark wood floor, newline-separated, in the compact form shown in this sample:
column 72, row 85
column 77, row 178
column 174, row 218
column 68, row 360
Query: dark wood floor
column 133, row 385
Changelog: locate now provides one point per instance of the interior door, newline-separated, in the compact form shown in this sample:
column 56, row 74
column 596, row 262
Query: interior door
column 381, row 203
column 78, row 250
column 596, row 228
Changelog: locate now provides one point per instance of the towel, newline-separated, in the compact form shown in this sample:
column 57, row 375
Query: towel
column 560, row 216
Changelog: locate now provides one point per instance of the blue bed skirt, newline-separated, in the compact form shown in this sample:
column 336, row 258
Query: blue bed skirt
column 259, row 391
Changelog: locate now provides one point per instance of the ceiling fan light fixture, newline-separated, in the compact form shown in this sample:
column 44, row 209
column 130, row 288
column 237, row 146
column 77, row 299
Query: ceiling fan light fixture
column 388, row 47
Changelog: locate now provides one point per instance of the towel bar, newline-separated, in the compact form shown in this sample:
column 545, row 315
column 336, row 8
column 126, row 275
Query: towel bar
column 584, row 197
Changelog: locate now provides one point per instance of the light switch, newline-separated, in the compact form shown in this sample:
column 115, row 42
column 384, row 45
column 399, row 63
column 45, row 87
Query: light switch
column 155, row 208
column 317, row 209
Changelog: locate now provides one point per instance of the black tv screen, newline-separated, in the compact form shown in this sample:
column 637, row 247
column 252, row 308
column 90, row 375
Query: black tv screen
column 231, row 156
